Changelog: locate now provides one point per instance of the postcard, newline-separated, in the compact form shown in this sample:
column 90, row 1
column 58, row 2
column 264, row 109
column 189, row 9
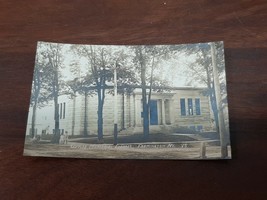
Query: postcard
column 129, row 102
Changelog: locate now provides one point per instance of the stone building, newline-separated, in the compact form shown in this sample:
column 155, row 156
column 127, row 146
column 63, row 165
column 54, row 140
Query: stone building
column 184, row 107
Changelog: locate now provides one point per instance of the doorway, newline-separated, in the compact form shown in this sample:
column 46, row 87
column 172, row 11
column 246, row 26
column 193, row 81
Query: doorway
column 153, row 112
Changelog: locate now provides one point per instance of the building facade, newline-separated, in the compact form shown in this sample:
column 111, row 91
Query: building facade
column 170, row 111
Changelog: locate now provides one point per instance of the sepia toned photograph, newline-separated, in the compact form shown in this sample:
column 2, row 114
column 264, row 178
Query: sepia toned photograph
column 129, row 102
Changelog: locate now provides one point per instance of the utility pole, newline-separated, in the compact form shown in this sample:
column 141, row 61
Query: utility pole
column 222, row 130
column 115, row 107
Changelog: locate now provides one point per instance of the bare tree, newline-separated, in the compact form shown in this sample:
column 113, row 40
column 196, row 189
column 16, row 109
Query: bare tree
column 101, row 61
column 146, row 59
column 208, row 68
column 52, row 58
column 201, row 71
column 35, row 97
column 222, row 128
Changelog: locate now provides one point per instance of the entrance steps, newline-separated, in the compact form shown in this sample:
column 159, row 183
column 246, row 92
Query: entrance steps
column 152, row 129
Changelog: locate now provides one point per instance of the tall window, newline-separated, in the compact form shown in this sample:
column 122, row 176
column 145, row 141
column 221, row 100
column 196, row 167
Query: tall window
column 60, row 110
column 190, row 106
column 64, row 110
column 182, row 105
column 197, row 105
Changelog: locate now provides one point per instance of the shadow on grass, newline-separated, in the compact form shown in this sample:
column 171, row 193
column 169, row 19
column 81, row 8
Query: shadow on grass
column 137, row 138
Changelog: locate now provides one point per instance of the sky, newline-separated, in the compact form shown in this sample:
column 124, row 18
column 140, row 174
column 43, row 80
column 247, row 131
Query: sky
column 173, row 70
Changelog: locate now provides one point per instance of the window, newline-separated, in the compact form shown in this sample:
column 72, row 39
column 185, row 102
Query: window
column 188, row 109
column 197, row 104
column 182, row 104
column 64, row 110
column 60, row 110
column 190, row 106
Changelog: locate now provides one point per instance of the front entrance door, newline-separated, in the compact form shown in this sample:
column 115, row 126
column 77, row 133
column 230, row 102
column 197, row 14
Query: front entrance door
column 153, row 112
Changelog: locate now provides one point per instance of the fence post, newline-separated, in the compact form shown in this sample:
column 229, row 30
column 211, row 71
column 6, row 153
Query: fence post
column 203, row 150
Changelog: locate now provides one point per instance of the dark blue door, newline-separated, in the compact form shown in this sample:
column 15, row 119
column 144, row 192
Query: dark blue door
column 153, row 112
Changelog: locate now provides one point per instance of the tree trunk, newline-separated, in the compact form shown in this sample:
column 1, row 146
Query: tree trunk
column 73, row 114
column 115, row 131
column 85, row 130
column 214, row 107
column 146, row 119
column 144, row 99
column 212, row 98
column 37, row 87
column 222, row 130
column 123, row 111
column 32, row 135
column 56, row 136
column 100, row 116
column 54, row 62
column 211, row 93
